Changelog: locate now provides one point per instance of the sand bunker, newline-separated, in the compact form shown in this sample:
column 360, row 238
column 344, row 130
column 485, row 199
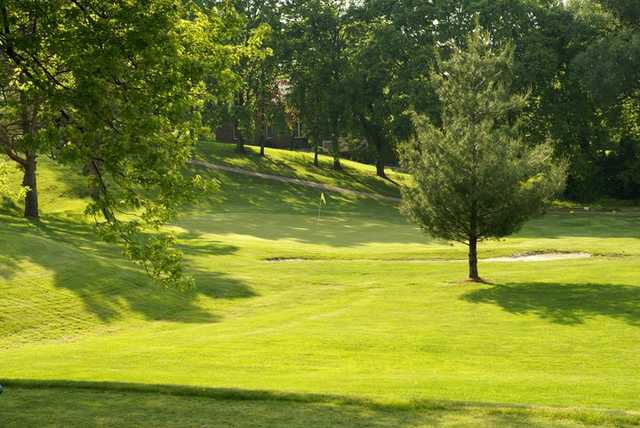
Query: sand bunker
column 538, row 257
column 543, row 257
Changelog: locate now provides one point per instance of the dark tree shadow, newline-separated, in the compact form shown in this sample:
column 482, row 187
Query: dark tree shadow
column 564, row 303
column 562, row 223
column 32, row 402
column 105, row 282
column 197, row 246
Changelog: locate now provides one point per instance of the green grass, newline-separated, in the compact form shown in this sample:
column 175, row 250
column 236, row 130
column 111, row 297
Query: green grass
column 354, row 175
column 100, row 404
column 371, row 326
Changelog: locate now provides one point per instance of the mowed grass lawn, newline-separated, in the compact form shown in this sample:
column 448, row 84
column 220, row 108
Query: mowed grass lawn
column 349, row 318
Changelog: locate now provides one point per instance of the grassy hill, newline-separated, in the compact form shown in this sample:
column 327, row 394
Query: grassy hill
column 354, row 175
column 347, row 318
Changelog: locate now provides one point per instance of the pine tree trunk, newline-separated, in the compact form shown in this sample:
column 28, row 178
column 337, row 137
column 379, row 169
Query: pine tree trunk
column 262, row 145
column 473, row 260
column 30, row 182
column 473, row 243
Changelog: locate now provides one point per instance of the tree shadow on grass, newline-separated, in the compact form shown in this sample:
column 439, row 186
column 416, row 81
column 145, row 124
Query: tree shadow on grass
column 96, row 272
column 583, row 224
column 31, row 402
column 204, row 247
column 567, row 304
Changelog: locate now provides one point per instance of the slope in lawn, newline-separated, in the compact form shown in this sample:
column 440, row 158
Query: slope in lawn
column 285, row 163
column 366, row 307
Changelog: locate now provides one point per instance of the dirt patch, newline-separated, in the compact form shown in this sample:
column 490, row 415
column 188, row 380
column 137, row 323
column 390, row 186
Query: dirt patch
column 288, row 259
column 530, row 257
column 542, row 257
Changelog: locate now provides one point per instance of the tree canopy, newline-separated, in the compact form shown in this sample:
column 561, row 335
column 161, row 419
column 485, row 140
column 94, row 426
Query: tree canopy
column 124, row 91
column 116, row 89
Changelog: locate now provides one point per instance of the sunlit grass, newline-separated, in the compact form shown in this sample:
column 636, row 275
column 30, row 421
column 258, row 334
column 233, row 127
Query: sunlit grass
column 369, row 309
column 354, row 175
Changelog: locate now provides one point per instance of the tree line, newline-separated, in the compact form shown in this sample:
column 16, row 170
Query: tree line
column 357, row 68
column 124, row 91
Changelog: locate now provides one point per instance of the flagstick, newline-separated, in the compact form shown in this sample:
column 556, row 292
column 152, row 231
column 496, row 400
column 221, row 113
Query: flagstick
column 322, row 201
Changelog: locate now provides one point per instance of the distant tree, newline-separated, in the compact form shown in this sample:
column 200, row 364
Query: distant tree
column 257, row 71
column 316, row 62
column 475, row 177
column 378, row 103
column 610, row 64
column 546, row 34
column 607, row 71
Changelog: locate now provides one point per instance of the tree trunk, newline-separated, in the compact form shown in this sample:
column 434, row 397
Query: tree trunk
column 380, row 168
column 29, row 181
column 239, row 145
column 473, row 260
column 336, row 154
column 315, row 152
column 239, row 138
column 260, row 132
column 379, row 156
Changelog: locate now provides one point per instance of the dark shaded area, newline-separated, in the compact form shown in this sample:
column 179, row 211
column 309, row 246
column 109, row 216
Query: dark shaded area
column 29, row 402
column 564, row 303
column 9, row 206
column 198, row 246
column 252, row 206
column 581, row 223
column 99, row 275
column 364, row 220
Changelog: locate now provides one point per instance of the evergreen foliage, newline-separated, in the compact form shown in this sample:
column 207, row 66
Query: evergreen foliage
column 475, row 176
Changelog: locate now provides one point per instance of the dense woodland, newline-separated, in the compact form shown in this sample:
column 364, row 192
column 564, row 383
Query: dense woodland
column 356, row 70
column 124, row 91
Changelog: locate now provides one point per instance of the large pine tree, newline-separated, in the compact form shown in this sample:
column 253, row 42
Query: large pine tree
column 475, row 176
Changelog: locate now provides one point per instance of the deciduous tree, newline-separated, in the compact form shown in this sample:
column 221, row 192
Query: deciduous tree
column 378, row 102
column 257, row 70
column 317, row 64
column 121, row 87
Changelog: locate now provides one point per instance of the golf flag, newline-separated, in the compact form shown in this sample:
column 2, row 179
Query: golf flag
column 322, row 199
